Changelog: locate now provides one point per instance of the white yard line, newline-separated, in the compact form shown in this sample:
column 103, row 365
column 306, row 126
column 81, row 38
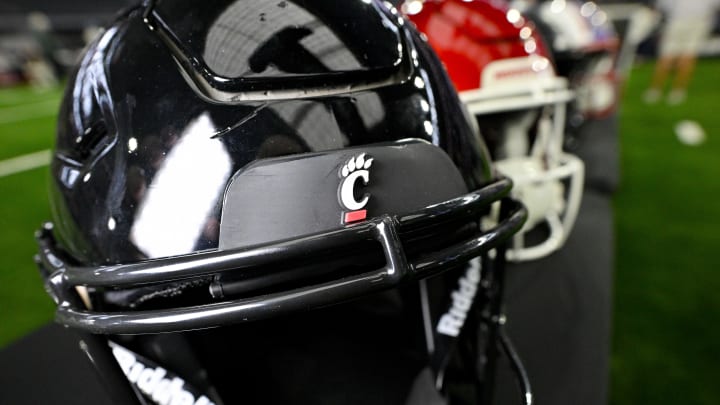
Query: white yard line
column 28, row 111
column 25, row 162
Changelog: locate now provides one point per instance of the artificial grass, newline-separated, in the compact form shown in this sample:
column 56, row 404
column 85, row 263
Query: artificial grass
column 22, row 95
column 20, row 138
column 666, row 341
column 24, row 305
column 27, row 120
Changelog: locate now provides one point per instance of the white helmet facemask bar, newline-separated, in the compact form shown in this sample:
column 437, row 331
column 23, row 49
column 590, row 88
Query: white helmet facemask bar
column 548, row 180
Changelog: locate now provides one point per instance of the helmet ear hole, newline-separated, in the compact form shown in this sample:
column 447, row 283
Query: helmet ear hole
column 91, row 142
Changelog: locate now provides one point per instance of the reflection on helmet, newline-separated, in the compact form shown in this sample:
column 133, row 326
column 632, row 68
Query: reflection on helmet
column 507, row 81
column 250, row 159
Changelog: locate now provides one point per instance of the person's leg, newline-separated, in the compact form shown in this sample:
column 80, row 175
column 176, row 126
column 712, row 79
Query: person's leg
column 662, row 70
column 670, row 46
column 685, row 68
column 694, row 34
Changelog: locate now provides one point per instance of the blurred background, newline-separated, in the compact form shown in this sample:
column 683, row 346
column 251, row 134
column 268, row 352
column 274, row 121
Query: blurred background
column 665, row 337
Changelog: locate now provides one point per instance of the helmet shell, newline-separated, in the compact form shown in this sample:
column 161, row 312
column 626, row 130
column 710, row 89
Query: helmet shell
column 174, row 99
column 469, row 35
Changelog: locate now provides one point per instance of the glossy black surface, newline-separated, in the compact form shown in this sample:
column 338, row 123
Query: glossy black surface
column 143, row 156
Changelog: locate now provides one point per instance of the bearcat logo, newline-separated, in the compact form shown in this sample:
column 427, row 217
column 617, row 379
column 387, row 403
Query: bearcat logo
column 357, row 168
column 156, row 383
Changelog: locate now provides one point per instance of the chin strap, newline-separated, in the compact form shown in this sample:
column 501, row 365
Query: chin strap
column 517, row 367
column 493, row 336
column 492, row 331
column 488, row 342
column 452, row 328
column 467, row 353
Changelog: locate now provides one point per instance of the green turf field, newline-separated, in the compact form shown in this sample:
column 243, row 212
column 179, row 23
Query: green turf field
column 666, row 343
column 666, row 340
column 27, row 125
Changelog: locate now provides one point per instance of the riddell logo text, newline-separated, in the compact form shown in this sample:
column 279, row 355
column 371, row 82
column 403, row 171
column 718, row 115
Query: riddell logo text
column 453, row 320
column 151, row 381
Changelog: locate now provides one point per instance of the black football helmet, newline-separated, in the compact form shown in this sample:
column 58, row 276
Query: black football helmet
column 240, row 160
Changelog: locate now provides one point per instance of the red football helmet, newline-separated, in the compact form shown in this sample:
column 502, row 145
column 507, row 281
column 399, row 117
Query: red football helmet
column 506, row 78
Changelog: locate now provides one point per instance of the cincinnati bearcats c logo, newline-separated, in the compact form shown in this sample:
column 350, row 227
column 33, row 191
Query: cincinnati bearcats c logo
column 355, row 169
